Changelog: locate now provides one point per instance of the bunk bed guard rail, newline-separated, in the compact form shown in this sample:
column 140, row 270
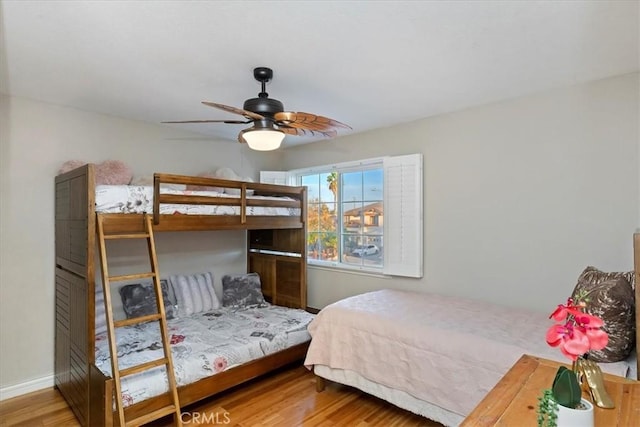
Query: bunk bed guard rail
column 293, row 196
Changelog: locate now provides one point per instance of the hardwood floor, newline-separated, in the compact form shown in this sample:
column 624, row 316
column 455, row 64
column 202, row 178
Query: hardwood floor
column 285, row 398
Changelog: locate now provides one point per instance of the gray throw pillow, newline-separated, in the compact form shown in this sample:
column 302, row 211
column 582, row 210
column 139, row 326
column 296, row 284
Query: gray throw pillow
column 140, row 300
column 242, row 290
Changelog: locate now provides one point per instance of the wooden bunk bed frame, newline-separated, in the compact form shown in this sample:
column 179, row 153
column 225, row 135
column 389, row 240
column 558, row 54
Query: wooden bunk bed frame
column 276, row 249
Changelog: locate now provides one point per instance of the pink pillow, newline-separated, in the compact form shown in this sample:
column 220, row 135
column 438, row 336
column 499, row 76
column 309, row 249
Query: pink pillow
column 113, row 172
column 109, row 172
column 70, row 165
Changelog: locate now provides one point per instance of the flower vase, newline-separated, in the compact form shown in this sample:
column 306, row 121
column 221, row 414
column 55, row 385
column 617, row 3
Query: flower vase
column 568, row 417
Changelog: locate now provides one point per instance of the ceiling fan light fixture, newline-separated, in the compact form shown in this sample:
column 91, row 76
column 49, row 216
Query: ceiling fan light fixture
column 270, row 121
column 264, row 139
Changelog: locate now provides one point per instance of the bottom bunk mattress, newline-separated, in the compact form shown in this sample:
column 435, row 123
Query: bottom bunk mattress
column 202, row 345
column 446, row 352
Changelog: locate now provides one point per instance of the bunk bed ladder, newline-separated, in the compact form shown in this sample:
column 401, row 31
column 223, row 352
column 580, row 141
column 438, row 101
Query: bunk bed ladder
column 160, row 316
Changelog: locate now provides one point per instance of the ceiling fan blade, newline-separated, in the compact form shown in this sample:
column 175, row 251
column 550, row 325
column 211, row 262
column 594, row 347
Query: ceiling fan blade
column 292, row 131
column 307, row 121
column 331, row 133
column 234, row 122
column 241, row 137
column 247, row 114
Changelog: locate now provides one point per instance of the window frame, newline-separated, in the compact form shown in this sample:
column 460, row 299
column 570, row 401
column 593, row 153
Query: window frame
column 403, row 211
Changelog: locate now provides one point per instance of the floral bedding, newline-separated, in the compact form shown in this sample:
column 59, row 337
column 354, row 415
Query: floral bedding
column 139, row 199
column 202, row 345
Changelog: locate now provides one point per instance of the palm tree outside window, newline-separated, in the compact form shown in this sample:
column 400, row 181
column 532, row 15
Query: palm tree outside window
column 356, row 197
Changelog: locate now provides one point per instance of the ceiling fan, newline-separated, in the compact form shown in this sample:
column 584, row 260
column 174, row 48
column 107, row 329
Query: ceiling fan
column 270, row 121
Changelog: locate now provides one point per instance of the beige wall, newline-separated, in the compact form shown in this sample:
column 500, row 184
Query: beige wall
column 35, row 139
column 519, row 195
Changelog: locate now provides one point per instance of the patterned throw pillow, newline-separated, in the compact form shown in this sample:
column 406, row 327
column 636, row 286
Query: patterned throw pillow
column 140, row 300
column 594, row 276
column 242, row 290
column 610, row 296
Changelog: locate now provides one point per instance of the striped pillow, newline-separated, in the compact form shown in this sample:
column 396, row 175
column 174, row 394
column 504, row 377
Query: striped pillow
column 194, row 293
column 101, row 318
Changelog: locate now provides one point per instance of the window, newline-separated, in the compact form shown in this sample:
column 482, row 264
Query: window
column 364, row 215
column 345, row 216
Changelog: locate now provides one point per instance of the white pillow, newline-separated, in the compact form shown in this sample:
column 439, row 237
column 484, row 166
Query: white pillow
column 101, row 317
column 195, row 293
column 147, row 181
column 228, row 173
column 217, row 287
column 142, row 181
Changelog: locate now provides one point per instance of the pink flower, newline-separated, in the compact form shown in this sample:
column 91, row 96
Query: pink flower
column 591, row 326
column 562, row 311
column 176, row 339
column 580, row 333
column 127, row 400
column 220, row 364
column 572, row 342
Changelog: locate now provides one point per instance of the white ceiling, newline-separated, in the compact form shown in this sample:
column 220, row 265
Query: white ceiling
column 367, row 64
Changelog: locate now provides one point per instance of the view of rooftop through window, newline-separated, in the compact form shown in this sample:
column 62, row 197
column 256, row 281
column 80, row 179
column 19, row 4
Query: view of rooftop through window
column 355, row 196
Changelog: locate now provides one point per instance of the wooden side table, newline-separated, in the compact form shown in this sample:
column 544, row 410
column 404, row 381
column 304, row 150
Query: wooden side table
column 514, row 400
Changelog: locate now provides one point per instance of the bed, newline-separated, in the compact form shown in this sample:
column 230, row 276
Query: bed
column 202, row 344
column 274, row 218
column 433, row 355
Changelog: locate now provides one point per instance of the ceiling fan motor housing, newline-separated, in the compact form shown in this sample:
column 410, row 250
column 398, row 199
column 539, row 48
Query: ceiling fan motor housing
column 263, row 106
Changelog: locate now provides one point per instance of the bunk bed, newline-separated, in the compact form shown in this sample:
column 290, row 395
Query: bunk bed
column 276, row 250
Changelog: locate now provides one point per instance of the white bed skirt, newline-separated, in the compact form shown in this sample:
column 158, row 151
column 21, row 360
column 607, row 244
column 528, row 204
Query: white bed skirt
column 397, row 397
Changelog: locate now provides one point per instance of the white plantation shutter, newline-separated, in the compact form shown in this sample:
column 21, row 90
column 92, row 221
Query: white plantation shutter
column 403, row 216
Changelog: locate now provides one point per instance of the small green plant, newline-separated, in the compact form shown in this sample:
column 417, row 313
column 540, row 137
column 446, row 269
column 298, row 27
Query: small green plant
column 565, row 391
column 547, row 409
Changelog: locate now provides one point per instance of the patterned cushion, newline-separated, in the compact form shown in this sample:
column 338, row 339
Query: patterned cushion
column 594, row 276
column 140, row 300
column 610, row 296
column 242, row 290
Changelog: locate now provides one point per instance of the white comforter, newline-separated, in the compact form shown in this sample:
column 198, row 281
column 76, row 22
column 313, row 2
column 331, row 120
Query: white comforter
column 443, row 350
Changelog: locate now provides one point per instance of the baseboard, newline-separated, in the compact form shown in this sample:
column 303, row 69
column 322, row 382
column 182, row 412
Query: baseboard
column 26, row 387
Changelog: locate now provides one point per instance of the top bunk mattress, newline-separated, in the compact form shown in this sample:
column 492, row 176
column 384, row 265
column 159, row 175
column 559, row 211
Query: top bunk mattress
column 131, row 199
